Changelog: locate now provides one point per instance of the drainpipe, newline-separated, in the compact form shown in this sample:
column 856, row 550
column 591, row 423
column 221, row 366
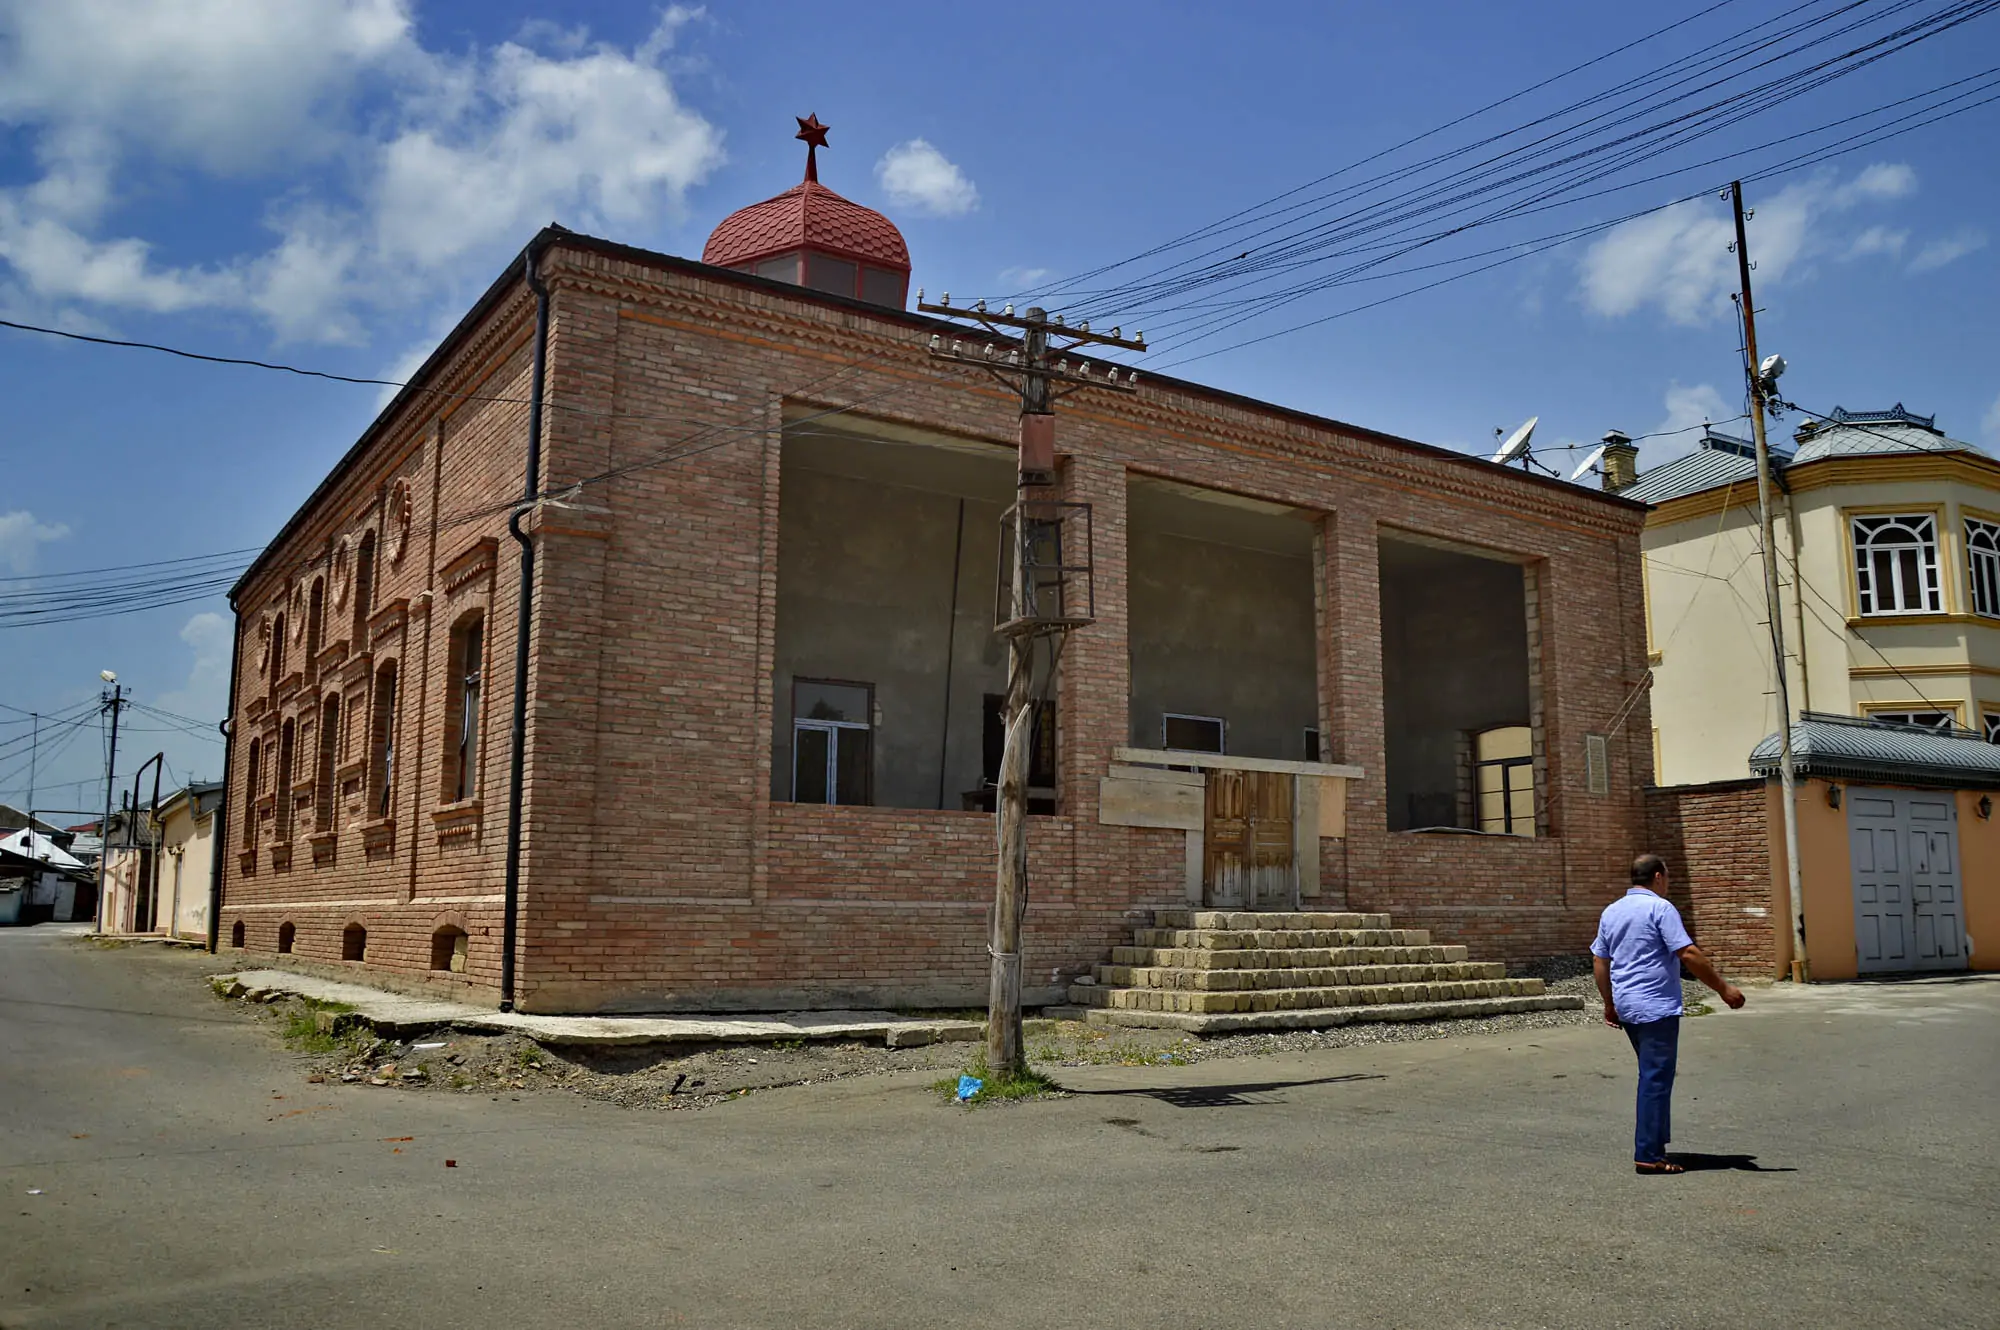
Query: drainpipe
column 517, row 762
column 217, row 842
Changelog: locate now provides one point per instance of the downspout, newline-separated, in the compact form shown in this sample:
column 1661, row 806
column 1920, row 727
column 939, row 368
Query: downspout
column 517, row 760
column 217, row 845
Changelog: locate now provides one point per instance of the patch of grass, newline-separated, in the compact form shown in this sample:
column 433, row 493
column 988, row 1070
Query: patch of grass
column 1030, row 1084
column 530, row 1056
column 309, row 1028
column 789, row 1045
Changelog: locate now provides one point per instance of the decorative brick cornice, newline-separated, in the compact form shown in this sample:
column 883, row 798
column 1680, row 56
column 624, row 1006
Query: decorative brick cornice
column 356, row 671
column 385, row 621
column 457, row 819
column 324, row 846
column 378, row 836
column 281, row 856
column 469, row 565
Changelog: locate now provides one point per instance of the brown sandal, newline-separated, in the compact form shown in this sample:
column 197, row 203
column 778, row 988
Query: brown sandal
column 1658, row 1166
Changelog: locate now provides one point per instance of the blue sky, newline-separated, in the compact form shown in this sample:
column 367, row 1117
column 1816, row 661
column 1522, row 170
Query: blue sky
column 331, row 183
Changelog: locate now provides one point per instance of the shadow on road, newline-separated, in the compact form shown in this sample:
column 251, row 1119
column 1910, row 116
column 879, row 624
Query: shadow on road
column 1704, row 1163
column 1226, row 1096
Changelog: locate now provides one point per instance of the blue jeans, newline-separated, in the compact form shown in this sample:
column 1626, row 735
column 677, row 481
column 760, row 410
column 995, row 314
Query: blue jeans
column 1658, row 1045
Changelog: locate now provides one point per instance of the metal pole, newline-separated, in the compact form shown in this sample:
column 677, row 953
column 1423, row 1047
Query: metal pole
column 34, row 752
column 116, row 701
column 1773, row 606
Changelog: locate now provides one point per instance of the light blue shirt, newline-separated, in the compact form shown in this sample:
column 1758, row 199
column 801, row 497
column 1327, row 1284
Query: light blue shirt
column 1641, row 935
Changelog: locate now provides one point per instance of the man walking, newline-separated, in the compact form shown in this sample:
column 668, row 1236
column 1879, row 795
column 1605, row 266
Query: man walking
column 1638, row 954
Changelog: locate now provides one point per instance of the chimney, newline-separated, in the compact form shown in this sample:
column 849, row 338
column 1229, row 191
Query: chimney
column 1621, row 460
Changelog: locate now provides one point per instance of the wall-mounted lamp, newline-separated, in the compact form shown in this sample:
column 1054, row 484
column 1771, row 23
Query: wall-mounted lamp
column 1985, row 806
column 1833, row 796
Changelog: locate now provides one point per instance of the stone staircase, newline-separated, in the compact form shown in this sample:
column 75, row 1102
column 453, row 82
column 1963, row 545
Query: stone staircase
column 1234, row 972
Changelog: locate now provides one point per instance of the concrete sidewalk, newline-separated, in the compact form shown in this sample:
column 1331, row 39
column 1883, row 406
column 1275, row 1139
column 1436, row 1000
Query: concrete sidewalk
column 398, row 1015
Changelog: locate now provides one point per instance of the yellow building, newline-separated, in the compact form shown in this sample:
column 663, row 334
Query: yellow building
column 1887, row 534
column 1888, row 537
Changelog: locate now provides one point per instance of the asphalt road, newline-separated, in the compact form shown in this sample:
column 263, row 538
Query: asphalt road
column 164, row 1164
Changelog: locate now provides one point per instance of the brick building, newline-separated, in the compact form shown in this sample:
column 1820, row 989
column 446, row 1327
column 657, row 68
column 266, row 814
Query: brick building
column 762, row 677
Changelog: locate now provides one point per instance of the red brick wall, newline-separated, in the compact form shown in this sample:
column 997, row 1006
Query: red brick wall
column 1717, row 847
column 657, row 872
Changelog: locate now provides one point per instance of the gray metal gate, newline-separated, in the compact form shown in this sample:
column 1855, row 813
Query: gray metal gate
column 1907, row 910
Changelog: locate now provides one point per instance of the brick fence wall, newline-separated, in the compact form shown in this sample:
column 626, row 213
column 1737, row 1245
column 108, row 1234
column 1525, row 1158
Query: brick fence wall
column 1717, row 847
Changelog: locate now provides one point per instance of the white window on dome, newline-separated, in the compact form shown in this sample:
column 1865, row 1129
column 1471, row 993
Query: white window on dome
column 1896, row 564
column 1992, row 723
column 1982, row 557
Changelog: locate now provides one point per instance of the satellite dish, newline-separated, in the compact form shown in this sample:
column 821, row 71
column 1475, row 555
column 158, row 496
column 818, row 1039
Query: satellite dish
column 1596, row 456
column 1517, row 442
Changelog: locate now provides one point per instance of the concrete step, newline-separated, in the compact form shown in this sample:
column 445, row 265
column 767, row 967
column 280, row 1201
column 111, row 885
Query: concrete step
column 1198, row 1002
column 1335, row 976
column 1251, row 958
column 1270, row 939
column 1241, row 920
column 1323, row 1018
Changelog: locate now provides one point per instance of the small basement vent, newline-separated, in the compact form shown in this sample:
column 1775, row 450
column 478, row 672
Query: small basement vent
column 1597, row 763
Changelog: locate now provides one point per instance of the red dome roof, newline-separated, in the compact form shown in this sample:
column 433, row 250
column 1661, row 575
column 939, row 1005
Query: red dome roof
column 806, row 216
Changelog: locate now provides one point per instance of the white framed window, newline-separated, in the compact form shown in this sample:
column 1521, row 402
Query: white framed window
column 1194, row 734
column 1991, row 724
column 833, row 749
column 1929, row 720
column 1982, row 562
column 1896, row 564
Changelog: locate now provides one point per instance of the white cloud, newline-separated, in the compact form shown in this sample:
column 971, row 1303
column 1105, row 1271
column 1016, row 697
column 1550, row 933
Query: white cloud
column 1886, row 180
column 916, row 175
column 21, row 538
column 1688, row 406
column 1679, row 259
column 1877, row 240
column 1948, row 250
column 205, row 695
column 431, row 160
column 1018, row 279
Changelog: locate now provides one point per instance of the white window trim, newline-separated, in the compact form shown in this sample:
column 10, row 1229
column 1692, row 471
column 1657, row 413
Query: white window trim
column 1867, row 596
column 1988, row 605
column 832, row 753
column 1221, row 729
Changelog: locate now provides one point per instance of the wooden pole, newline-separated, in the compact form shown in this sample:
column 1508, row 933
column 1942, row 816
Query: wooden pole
column 1772, row 605
column 1004, row 1055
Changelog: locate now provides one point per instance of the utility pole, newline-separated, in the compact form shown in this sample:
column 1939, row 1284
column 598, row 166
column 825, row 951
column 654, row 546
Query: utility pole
column 34, row 752
column 112, row 703
column 1772, row 606
column 1047, row 592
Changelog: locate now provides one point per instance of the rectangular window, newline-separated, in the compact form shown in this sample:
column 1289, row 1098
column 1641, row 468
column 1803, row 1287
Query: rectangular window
column 1597, row 763
column 1896, row 565
column 1312, row 745
column 836, row 277
column 470, row 654
column 1929, row 720
column 1504, row 773
column 1193, row 734
column 1982, row 558
column 832, row 742
column 784, row 268
column 879, row 286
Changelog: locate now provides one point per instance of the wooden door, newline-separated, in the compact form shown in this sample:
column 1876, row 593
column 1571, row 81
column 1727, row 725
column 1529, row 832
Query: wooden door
column 1247, row 859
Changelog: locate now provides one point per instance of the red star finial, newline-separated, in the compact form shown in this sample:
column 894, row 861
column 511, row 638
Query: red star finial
column 813, row 134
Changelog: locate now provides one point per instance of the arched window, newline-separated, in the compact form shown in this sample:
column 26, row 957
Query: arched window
column 1896, row 564
column 448, row 946
column 249, row 837
column 283, row 830
column 463, row 710
column 278, row 635
column 382, row 743
column 364, row 590
column 354, row 943
column 329, row 741
column 288, row 933
column 236, row 935
column 315, row 620
column 1982, row 551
